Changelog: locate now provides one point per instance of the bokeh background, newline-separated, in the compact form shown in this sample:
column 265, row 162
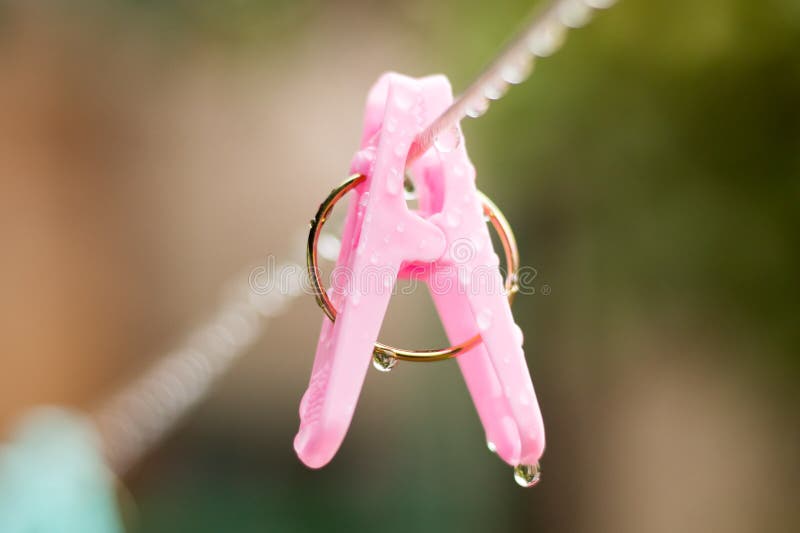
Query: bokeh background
column 651, row 169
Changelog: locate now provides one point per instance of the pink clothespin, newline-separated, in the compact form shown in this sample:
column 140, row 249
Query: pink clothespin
column 447, row 243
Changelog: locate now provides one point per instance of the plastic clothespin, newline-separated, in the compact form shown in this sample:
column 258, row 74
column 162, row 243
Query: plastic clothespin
column 447, row 243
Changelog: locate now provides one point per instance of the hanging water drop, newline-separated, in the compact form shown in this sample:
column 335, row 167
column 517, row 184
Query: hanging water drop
column 527, row 475
column 491, row 446
column 382, row 361
column 518, row 336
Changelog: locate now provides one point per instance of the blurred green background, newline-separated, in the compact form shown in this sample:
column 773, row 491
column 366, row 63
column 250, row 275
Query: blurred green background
column 650, row 170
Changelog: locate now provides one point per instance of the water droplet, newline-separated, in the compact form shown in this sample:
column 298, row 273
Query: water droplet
column 527, row 475
column 453, row 218
column 575, row 14
column 391, row 125
column 382, row 361
column 496, row 90
column 374, row 258
column 400, row 228
column 403, row 101
column 386, row 239
column 484, row 320
column 518, row 336
column 524, row 399
column 328, row 246
column 400, row 150
column 394, row 182
column 355, row 298
column 364, row 200
column 547, row 40
column 491, row 446
column 387, row 282
column 410, row 192
column 448, row 140
column 423, row 243
column 458, row 170
column 477, row 107
column 518, row 70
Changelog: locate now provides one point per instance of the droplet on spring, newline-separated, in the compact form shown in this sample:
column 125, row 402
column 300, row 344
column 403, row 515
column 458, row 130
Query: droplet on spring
column 383, row 362
column 547, row 40
column 448, row 140
column 491, row 446
column 527, row 475
column 575, row 14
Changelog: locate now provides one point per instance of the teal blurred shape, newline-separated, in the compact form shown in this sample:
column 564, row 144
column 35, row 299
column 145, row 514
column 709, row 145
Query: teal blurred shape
column 53, row 478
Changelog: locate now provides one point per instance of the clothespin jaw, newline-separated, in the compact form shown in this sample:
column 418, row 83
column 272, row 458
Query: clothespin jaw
column 380, row 234
column 447, row 241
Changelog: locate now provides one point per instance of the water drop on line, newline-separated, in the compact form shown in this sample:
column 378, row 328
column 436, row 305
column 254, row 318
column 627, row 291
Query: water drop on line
column 496, row 90
column 547, row 40
column 575, row 14
column 477, row 107
column 518, row 70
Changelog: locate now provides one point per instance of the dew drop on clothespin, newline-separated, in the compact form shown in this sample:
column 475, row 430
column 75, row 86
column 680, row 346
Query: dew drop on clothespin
column 527, row 475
